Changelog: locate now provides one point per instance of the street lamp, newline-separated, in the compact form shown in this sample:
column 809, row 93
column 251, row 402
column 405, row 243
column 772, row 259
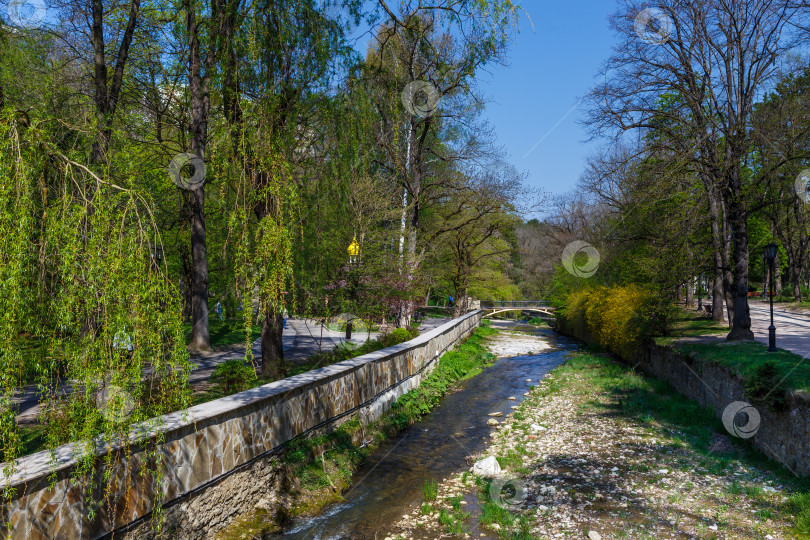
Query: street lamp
column 354, row 250
column 769, row 253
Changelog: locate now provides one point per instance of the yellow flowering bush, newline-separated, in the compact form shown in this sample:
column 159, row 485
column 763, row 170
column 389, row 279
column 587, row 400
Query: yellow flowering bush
column 619, row 318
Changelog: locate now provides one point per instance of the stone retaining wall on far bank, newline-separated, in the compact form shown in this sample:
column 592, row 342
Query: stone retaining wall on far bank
column 217, row 459
column 783, row 435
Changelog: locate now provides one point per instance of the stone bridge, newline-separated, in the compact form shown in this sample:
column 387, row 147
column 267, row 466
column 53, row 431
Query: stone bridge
column 493, row 307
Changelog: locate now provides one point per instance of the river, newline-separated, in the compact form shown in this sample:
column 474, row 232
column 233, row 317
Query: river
column 389, row 483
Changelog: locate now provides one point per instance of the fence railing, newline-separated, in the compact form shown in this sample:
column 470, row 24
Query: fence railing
column 503, row 304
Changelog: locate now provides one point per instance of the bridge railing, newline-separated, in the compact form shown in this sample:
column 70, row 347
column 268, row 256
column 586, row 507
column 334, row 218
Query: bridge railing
column 500, row 304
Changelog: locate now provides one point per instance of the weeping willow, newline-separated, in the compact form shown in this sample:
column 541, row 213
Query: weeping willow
column 262, row 223
column 87, row 312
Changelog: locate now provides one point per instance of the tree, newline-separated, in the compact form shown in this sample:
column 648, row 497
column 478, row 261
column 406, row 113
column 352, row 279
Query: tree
column 716, row 56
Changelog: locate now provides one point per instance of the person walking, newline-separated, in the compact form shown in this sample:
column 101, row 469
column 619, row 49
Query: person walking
column 284, row 319
column 218, row 308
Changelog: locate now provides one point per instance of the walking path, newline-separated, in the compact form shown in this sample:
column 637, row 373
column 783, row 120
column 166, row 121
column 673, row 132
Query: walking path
column 792, row 329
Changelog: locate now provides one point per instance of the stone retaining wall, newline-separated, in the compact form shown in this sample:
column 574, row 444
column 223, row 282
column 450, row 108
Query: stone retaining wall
column 216, row 457
column 782, row 435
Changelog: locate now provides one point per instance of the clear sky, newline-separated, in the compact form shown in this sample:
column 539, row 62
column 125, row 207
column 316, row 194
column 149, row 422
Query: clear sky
column 553, row 62
column 550, row 69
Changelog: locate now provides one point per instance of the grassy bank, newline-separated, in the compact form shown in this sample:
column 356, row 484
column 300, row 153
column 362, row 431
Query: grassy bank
column 688, row 435
column 762, row 371
column 598, row 447
column 320, row 468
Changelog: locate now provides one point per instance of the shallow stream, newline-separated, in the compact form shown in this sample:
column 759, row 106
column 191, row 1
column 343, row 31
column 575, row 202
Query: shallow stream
column 389, row 484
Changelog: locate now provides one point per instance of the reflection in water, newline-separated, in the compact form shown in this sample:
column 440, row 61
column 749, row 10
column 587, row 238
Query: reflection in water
column 389, row 484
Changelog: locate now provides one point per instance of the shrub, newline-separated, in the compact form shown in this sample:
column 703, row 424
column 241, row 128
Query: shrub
column 397, row 336
column 619, row 318
column 234, row 376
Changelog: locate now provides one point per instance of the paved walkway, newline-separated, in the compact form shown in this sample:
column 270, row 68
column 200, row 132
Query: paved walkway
column 302, row 338
column 792, row 329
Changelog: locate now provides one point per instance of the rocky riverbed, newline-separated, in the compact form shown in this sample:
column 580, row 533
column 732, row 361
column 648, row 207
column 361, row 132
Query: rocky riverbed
column 595, row 451
column 510, row 343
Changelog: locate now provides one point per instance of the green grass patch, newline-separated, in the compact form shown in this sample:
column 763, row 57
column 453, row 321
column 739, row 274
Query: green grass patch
column 430, row 490
column 758, row 367
column 226, row 332
column 799, row 506
column 32, row 438
column 690, row 324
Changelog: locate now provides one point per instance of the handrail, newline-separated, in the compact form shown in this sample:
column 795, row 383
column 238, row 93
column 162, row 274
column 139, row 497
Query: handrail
column 494, row 304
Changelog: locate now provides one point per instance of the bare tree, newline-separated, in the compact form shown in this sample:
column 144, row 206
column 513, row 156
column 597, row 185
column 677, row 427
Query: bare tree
column 712, row 58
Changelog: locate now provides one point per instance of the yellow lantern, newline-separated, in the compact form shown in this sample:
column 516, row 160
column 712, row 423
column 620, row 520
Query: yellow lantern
column 354, row 250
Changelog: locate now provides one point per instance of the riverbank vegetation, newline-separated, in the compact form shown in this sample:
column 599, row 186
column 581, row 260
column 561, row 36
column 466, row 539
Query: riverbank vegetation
column 320, row 467
column 598, row 447
column 703, row 164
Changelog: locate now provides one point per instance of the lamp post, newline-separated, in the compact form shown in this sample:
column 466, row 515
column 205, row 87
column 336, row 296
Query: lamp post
column 770, row 255
column 354, row 250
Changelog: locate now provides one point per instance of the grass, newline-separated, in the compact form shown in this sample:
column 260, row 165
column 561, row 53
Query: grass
column 749, row 360
column 32, row 439
column 430, row 490
column 654, row 402
column 691, row 324
column 799, row 505
column 226, row 332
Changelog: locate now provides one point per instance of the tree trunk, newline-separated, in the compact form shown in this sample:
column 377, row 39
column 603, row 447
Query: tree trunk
column 777, row 276
column 690, row 292
column 273, row 344
column 200, row 106
column 728, row 277
column 767, row 281
column 796, row 280
column 106, row 98
column 200, row 339
column 741, row 326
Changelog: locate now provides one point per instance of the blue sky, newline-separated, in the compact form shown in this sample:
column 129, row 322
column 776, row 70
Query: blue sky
column 553, row 62
column 550, row 69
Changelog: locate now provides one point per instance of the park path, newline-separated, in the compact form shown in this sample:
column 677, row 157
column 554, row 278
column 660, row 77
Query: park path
column 302, row 338
column 792, row 329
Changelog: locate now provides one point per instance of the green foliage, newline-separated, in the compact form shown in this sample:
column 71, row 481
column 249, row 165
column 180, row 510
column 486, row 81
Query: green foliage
column 397, row 336
column 799, row 506
column 234, row 376
column 758, row 367
column 620, row 318
column 765, row 386
column 77, row 278
column 430, row 490
column 464, row 362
